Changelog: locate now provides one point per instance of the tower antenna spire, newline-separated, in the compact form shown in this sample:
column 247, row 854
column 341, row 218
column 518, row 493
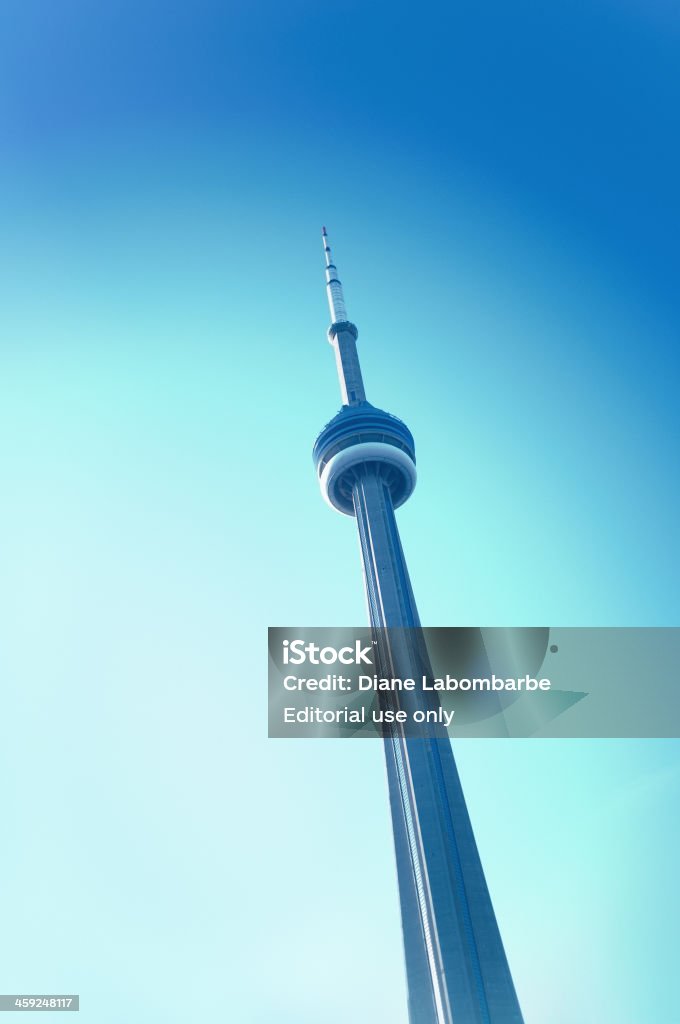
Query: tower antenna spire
column 336, row 299
column 342, row 334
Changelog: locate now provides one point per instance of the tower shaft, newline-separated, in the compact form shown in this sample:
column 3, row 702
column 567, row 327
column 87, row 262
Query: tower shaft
column 457, row 971
column 343, row 338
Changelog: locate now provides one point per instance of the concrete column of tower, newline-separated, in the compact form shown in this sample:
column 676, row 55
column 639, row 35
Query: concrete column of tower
column 342, row 337
column 455, row 962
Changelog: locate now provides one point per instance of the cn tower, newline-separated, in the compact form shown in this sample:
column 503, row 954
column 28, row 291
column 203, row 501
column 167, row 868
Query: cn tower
column 456, row 967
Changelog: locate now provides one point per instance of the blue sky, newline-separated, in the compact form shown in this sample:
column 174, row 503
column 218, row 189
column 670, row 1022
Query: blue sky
column 500, row 187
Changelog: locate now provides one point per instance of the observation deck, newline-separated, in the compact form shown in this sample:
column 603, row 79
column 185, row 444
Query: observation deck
column 362, row 435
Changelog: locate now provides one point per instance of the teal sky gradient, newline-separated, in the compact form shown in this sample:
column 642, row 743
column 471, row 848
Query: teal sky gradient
column 501, row 195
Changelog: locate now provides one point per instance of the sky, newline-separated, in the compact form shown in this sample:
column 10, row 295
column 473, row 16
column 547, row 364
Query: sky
column 500, row 188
